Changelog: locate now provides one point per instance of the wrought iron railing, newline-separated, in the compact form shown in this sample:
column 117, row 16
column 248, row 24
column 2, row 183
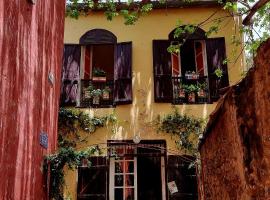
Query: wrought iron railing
column 97, row 94
column 183, row 94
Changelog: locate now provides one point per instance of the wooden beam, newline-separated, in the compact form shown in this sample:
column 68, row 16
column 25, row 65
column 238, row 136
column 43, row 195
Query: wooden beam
column 248, row 19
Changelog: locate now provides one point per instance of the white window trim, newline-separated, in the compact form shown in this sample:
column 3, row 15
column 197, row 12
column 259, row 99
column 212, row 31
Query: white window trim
column 204, row 56
column 112, row 175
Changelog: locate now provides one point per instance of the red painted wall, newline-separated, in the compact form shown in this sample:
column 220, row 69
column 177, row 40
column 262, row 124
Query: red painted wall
column 31, row 44
column 235, row 151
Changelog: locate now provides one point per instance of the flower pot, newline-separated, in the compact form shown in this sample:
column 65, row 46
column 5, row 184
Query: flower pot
column 201, row 93
column 99, row 78
column 106, row 95
column 191, row 97
column 181, row 93
column 86, row 94
column 96, row 100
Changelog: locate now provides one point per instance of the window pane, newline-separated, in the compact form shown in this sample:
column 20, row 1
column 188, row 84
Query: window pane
column 119, row 167
column 129, row 194
column 118, row 180
column 118, row 194
column 129, row 180
column 129, row 167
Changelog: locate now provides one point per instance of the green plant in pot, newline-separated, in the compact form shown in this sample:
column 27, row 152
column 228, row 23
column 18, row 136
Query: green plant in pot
column 87, row 91
column 181, row 91
column 202, row 87
column 191, row 91
column 106, row 93
column 95, row 94
column 99, row 74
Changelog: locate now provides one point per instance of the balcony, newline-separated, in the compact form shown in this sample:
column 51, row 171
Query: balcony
column 97, row 93
column 190, row 90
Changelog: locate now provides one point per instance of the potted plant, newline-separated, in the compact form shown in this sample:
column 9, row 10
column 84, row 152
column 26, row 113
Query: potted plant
column 191, row 91
column 106, row 93
column 202, row 90
column 192, row 75
column 181, row 91
column 99, row 75
column 87, row 91
column 95, row 94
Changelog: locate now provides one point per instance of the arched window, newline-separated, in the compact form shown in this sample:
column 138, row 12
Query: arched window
column 103, row 70
column 188, row 76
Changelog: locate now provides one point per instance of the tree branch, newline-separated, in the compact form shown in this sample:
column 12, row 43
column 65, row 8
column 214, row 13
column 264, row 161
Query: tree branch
column 253, row 10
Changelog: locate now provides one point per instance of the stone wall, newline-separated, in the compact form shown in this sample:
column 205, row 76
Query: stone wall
column 235, row 149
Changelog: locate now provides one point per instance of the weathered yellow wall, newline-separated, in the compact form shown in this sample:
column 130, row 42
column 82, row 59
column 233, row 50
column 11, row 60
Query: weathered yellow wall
column 135, row 118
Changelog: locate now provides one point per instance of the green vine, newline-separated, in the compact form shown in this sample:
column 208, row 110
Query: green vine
column 131, row 11
column 70, row 123
column 187, row 128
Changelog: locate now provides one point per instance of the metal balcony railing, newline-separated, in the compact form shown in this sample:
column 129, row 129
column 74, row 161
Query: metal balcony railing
column 97, row 94
column 182, row 93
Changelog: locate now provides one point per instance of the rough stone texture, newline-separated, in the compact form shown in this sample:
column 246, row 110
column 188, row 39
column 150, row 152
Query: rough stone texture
column 31, row 43
column 236, row 149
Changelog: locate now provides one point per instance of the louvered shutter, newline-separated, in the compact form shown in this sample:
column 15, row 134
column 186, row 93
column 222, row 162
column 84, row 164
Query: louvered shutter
column 216, row 54
column 70, row 74
column 162, row 71
column 123, row 73
column 93, row 180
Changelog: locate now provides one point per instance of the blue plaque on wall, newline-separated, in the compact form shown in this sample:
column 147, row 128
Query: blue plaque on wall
column 43, row 139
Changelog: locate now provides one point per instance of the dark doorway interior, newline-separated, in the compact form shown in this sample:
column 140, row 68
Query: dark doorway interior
column 149, row 175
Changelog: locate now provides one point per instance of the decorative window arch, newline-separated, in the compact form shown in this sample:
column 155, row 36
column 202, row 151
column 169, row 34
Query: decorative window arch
column 199, row 34
column 103, row 64
column 194, row 65
column 98, row 36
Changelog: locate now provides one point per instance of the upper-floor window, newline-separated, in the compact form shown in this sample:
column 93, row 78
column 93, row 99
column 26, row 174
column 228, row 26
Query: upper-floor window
column 97, row 72
column 189, row 76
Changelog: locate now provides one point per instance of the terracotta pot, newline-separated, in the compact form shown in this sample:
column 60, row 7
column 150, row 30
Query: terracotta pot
column 106, row 95
column 191, row 97
column 201, row 93
column 96, row 100
column 181, row 93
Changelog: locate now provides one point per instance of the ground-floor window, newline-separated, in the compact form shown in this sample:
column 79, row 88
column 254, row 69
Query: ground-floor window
column 138, row 172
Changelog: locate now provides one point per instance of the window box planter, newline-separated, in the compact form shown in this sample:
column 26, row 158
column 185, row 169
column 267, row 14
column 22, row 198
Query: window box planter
column 99, row 79
column 99, row 75
column 192, row 76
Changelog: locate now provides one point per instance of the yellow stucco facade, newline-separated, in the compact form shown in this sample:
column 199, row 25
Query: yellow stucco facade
column 134, row 119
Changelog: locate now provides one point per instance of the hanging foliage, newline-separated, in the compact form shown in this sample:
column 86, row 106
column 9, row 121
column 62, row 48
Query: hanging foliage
column 187, row 128
column 70, row 123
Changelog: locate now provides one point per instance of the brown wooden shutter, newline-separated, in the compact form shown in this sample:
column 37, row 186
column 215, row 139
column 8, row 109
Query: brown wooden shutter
column 178, row 170
column 162, row 71
column 216, row 54
column 93, row 181
column 123, row 73
column 70, row 74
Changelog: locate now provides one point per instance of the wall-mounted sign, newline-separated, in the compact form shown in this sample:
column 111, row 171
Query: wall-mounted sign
column 172, row 187
column 43, row 139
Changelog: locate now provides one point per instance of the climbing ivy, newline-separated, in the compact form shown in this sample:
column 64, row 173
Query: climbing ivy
column 70, row 123
column 188, row 129
column 131, row 11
